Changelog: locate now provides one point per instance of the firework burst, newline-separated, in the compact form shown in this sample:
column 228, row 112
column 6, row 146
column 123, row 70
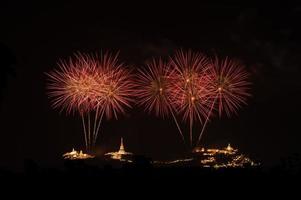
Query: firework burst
column 73, row 86
column 228, row 86
column 91, row 84
column 229, row 83
column 117, row 92
column 153, row 89
column 190, row 93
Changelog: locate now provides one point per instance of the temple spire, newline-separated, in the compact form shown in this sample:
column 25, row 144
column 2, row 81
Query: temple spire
column 121, row 148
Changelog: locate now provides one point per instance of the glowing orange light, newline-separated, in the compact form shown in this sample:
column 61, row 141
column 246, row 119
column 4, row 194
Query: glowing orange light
column 161, row 90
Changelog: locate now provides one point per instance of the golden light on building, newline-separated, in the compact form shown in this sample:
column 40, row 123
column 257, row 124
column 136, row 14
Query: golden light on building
column 229, row 148
column 121, row 154
column 76, row 155
column 227, row 157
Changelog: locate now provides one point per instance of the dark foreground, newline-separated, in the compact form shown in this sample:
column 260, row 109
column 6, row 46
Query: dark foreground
column 86, row 176
column 142, row 167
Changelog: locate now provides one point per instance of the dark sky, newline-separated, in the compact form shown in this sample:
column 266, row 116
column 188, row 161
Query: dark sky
column 35, row 36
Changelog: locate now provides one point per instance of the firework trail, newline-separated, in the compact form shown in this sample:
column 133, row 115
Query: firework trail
column 153, row 90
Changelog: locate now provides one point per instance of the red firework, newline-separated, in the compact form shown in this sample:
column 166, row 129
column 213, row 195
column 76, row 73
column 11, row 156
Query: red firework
column 153, row 89
column 229, row 87
column 117, row 87
column 190, row 83
column 73, row 86
column 190, row 86
column 90, row 83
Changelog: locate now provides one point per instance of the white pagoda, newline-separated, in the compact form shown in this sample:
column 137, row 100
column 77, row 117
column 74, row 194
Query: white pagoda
column 120, row 154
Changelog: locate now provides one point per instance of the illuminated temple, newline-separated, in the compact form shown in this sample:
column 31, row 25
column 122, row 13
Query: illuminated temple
column 76, row 155
column 121, row 154
column 227, row 157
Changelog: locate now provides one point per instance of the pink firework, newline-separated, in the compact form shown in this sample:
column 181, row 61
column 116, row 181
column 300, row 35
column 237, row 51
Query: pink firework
column 193, row 100
column 229, row 87
column 153, row 89
column 90, row 83
column 190, row 86
column 74, row 85
column 117, row 87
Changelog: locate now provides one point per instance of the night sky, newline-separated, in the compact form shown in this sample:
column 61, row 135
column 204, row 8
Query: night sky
column 35, row 36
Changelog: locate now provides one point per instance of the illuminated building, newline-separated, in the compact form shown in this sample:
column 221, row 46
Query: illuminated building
column 121, row 154
column 227, row 157
column 210, row 152
column 76, row 155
